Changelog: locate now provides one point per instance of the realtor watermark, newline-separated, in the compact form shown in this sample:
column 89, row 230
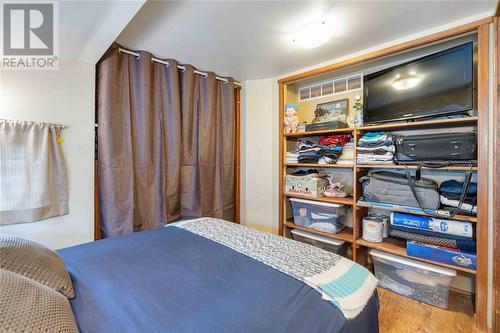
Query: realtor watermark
column 29, row 36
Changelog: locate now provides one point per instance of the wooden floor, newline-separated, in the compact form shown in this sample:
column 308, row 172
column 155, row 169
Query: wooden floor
column 399, row 314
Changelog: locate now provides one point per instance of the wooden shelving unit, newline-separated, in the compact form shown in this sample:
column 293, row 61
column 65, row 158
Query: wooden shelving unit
column 316, row 133
column 456, row 217
column 343, row 201
column 413, row 167
column 343, row 235
column 360, row 247
column 317, row 166
column 398, row 246
column 422, row 124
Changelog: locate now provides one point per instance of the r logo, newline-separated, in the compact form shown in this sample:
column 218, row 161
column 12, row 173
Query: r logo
column 28, row 29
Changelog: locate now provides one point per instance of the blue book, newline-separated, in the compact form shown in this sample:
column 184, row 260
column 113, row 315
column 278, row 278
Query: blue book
column 441, row 254
column 419, row 222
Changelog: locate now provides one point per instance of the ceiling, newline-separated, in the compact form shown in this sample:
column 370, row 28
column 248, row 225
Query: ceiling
column 252, row 40
column 88, row 28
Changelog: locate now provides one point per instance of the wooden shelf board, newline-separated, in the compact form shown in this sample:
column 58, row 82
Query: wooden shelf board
column 398, row 247
column 424, row 124
column 315, row 165
column 323, row 132
column 459, row 217
column 343, row 235
column 382, row 166
column 343, row 201
column 467, row 121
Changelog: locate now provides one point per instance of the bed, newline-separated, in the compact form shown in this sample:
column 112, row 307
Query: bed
column 175, row 280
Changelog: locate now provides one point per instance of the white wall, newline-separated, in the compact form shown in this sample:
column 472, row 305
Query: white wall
column 259, row 150
column 65, row 96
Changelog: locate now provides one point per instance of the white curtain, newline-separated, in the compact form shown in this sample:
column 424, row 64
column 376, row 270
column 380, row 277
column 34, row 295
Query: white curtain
column 33, row 176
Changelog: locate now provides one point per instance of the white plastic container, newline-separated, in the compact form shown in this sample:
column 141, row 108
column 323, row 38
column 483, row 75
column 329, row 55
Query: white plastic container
column 415, row 279
column 328, row 244
column 323, row 216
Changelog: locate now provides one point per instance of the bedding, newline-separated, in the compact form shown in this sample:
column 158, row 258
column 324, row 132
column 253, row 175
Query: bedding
column 29, row 306
column 175, row 280
column 36, row 262
column 341, row 281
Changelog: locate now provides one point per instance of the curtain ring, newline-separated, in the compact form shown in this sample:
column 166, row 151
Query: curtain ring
column 205, row 75
column 165, row 63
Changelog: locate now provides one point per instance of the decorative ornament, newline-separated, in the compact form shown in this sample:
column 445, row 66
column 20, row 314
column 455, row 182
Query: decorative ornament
column 291, row 119
column 358, row 111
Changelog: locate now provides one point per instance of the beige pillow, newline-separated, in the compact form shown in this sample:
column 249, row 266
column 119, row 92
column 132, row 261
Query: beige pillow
column 29, row 306
column 36, row 262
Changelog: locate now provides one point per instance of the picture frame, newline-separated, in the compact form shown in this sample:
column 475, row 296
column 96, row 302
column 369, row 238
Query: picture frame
column 331, row 111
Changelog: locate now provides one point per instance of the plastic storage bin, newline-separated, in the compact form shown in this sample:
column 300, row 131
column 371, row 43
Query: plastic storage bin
column 412, row 278
column 324, row 216
column 328, row 244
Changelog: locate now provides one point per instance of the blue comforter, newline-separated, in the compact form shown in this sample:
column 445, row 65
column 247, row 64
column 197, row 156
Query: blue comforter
column 171, row 280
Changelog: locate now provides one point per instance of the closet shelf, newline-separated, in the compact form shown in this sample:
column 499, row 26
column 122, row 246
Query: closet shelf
column 320, row 166
column 343, row 235
column 343, row 201
column 468, row 121
column 398, row 247
column 323, row 132
column 459, row 217
column 412, row 167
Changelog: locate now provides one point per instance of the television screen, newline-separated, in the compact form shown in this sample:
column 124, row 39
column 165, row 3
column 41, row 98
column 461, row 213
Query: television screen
column 435, row 85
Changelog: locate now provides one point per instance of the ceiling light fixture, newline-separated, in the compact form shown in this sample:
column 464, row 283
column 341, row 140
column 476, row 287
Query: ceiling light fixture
column 313, row 34
column 405, row 82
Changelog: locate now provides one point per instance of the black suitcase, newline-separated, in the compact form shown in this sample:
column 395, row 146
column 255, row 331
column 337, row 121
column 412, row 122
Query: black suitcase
column 447, row 148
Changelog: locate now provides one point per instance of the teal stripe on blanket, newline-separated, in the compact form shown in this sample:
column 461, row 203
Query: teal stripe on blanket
column 347, row 284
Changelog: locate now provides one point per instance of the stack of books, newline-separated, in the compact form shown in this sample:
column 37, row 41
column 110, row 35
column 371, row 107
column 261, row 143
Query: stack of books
column 442, row 240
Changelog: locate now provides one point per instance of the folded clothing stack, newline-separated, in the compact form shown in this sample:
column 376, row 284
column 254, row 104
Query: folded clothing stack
column 376, row 148
column 292, row 157
column 309, row 151
column 347, row 156
column 449, row 195
column 309, row 172
column 332, row 147
column 435, row 239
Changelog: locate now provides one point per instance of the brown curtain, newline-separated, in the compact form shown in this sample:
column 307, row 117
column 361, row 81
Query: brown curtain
column 207, row 173
column 165, row 143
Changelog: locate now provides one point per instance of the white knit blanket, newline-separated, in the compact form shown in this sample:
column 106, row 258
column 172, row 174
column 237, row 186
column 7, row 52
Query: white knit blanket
column 341, row 281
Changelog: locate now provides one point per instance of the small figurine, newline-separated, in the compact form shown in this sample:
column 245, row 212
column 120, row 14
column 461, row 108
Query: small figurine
column 317, row 116
column 291, row 119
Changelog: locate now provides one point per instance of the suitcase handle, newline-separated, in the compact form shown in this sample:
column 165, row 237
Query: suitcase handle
column 463, row 194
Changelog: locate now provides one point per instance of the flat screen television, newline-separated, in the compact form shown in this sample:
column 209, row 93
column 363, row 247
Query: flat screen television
column 436, row 85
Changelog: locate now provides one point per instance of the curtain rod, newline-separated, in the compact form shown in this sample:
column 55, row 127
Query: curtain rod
column 36, row 122
column 182, row 68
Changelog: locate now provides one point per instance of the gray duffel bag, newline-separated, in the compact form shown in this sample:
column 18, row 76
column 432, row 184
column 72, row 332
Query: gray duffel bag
column 394, row 188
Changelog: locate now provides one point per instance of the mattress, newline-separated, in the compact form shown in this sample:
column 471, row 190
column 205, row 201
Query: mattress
column 172, row 280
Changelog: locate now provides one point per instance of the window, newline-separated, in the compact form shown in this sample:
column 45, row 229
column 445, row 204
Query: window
column 33, row 179
column 331, row 87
